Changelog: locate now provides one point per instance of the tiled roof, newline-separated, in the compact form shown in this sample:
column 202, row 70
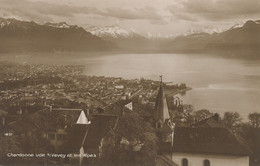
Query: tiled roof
column 77, row 133
column 99, row 127
column 207, row 140
column 213, row 121
column 90, row 136
column 118, row 108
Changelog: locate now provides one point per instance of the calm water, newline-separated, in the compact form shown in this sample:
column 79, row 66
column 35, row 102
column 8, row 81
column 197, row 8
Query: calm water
column 218, row 84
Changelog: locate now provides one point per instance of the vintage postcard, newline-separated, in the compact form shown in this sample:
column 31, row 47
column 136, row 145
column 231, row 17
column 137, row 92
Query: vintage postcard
column 129, row 83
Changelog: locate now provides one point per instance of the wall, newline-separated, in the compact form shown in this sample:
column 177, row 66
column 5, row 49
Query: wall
column 215, row 160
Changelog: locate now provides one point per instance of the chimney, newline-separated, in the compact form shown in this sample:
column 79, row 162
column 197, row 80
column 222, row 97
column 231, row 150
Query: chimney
column 216, row 117
column 100, row 110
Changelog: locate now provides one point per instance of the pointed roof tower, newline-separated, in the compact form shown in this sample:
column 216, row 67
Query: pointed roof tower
column 161, row 112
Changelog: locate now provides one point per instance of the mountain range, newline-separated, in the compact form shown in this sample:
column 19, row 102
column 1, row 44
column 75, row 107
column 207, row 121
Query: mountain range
column 129, row 40
column 242, row 41
column 112, row 32
column 22, row 36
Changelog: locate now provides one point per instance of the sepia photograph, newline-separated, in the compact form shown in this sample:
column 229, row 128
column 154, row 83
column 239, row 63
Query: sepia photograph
column 129, row 82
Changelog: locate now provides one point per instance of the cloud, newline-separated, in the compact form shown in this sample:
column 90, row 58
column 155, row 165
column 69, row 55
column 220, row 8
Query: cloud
column 159, row 22
column 134, row 13
column 43, row 10
column 166, row 16
column 186, row 17
column 215, row 10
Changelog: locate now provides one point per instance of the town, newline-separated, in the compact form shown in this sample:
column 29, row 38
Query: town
column 27, row 90
column 38, row 85
column 57, row 115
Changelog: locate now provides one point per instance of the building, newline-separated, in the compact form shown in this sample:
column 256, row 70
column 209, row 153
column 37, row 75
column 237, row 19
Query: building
column 67, row 117
column 89, row 139
column 206, row 143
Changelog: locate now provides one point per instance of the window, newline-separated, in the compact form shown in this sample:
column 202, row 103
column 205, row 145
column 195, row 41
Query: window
column 159, row 125
column 206, row 163
column 184, row 162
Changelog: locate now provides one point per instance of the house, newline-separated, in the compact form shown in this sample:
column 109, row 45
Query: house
column 24, row 127
column 206, row 143
column 67, row 117
column 205, row 146
column 89, row 138
column 51, row 123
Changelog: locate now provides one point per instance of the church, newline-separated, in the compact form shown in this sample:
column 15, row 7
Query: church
column 206, row 143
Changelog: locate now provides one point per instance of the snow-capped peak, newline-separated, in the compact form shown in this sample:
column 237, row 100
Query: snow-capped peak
column 111, row 32
column 158, row 36
column 60, row 25
column 238, row 25
column 4, row 23
column 202, row 31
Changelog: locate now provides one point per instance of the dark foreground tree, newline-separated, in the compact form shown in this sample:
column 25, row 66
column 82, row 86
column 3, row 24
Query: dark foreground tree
column 132, row 142
column 254, row 119
column 201, row 114
column 188, row 115
column 232, row 119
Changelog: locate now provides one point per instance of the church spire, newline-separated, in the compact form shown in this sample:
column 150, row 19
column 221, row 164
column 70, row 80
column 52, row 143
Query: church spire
column 161, row 112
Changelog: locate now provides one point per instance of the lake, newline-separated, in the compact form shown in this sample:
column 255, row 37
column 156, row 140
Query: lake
column 219, row 84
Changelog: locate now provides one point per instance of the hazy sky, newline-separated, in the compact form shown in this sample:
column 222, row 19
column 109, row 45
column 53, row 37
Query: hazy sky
column 166, row 17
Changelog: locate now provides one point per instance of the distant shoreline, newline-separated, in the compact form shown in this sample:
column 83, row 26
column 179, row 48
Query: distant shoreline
column 175, row 92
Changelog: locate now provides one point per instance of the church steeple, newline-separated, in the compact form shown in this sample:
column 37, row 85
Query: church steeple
column 161, row 112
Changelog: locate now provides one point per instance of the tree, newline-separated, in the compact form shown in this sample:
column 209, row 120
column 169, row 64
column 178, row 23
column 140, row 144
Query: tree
column 187, row 115
column 231, row 119
column 201, row 114
column 254, row 119
column 134, row 132
column 148, row 152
